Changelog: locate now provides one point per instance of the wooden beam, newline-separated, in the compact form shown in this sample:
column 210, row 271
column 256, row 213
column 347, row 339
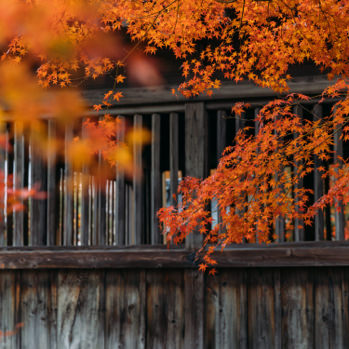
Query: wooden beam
column 312, row 254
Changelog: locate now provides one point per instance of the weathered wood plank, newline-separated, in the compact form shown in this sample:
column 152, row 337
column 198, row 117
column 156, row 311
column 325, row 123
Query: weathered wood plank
column 165, row 310
column 174, row 157
column 196, row 148
column 138, row 185
column 120, row 195
column 318, row 184
column 68, row 196
column 85, row 199
column 194, row 309
column 226, row 297
column 339, row 207
column 38, row 309
column 263, row 331
column 8, row 309
column 38, row 212
column 298, row 222
column 329, row 324
column 125, row 309
column 3, row 179
column 221, row 132
column 52, row 187
column 156, row 183
column 298, row 309
column 18, row 183
column 80, row 309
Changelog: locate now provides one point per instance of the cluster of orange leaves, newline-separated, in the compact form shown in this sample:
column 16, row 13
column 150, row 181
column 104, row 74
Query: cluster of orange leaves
column 256, row 181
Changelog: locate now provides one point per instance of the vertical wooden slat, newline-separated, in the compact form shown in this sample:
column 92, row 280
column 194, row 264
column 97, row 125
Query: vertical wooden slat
column 68, row 196
column 164, row 310
column 8, row 308
column 196, row 149
column 156, row 182
column 174, row 157
column 221, row 132
column 194, row 309
column 85, row 199
column 228, row 325
column 101, row 206
column 38, row 309
column 298, row 308
column 3, row 178
column 125, row 309
column 318, row 183
column 81, row 309
column 120, row 199
column 298, row 222
column 18, row 183
column 329, row 322
column 263, row 311
column 52, row 187
column 339, row 207
column 38, row 212
column 137, row 185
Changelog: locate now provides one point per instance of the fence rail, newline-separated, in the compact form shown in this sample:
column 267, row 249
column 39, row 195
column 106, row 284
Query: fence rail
column 187, row 139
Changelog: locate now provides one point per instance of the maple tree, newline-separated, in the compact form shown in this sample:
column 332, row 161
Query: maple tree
column 69, row 41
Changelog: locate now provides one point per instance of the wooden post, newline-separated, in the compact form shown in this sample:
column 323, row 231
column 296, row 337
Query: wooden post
column 196, row 165
column 4, row 180
column 137, row 186
column 318, row 184
column 155, row 179
column 120, row 199
column 174, row 157
column 298, row 223
column 196, row 148
column 68, row 197
column 18, row 183
column 339, row 207
column 85, row 200
column 38, row 212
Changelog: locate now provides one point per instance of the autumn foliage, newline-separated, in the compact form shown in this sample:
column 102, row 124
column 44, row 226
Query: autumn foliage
column 50, row 48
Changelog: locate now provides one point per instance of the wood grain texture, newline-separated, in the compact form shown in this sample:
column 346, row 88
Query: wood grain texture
column 226, row 310
column 38, row 309
column 263, row 311
column 281, row 255
column 80, row 309
column 329, row 323
column 165, row 310
column 18, row 183
column 194, row 309
column 196, row 150
column 297, row 302
column 125, row 310
column 9, row 309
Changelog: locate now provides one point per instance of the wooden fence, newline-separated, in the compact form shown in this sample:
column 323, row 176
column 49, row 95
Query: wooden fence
column 87, row 268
